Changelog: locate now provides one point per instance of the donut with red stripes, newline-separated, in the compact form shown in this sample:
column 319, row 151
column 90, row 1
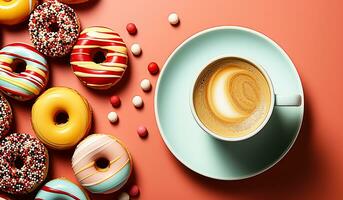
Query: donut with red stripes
column 23, row 71
column 99, row 58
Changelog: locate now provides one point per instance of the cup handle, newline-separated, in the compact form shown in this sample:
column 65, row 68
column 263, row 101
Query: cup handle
column 288, row 100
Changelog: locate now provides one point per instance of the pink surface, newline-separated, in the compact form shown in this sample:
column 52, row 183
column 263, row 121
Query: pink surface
column 310, row 32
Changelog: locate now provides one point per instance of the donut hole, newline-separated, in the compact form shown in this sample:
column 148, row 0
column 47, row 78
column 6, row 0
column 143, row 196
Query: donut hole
column 54, row 27
column 18, row 163
column 98, row 55
column 18, row 66
column 102, row 164
column 61, row 118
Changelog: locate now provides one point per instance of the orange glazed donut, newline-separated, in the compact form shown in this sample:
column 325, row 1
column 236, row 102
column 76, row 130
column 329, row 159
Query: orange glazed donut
column 99, row 58
column 15, row 11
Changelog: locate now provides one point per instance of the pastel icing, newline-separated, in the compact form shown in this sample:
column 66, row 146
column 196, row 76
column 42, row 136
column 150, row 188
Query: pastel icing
column 28, row 84
column 107, row 180
column 107, row 73
column 61, row 189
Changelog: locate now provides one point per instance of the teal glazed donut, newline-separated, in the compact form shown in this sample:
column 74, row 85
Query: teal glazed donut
column 61, row 189
column 23, row 71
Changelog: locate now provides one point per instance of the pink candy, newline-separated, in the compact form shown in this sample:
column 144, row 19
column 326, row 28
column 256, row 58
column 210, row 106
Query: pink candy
column 131, row 28
column 142, row 131
column 115, row 101
column 134, row 191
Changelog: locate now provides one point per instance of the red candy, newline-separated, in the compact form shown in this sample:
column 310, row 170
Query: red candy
column 134, row 191
column 115, row 101
column 131, row 28
column 153, row 68
column 142, row 131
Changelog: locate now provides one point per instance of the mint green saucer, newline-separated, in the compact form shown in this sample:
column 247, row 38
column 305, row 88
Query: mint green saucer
column 188, row 142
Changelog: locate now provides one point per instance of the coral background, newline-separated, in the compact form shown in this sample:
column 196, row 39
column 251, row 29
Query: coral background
column 309, row 31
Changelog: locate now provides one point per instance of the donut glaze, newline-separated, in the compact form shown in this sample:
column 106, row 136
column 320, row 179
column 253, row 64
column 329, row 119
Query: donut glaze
column 29, row 83
column 6, row 116
column 106, row 179
column 15, row 11
column 34, row 163
column 54, row 28
column 107, row 73
column 53, row 103
column 61, row 189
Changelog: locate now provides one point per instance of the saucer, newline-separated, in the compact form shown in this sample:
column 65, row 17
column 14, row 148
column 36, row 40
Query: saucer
column 195, row 148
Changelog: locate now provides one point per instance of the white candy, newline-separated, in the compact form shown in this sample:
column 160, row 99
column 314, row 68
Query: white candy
column 173, row 19
column 145, row 85
column 112, row 117
column 137, row 101
column 136, row 49
column 124, row 196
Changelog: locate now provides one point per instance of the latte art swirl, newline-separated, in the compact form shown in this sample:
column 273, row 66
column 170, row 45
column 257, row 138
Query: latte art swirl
column 233, row 94
column 232, row 97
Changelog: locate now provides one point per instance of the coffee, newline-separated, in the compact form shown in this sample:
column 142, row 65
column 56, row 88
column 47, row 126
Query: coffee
column 232, row 97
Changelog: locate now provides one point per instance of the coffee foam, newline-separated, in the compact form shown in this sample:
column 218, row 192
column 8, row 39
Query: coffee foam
column 232, row 97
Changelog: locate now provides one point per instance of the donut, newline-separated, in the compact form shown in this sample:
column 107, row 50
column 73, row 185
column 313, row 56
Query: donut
column 15, row 11
column 61, row 117
column 24, row 163
column 102, row 163
column 54, row 28
column 61, row 189
column 99, row 58
column 24, row 71
column 6, row 116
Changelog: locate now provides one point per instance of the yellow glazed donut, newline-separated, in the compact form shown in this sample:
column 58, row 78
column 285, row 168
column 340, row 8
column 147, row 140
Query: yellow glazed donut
column 61, row 117
column 15, row 11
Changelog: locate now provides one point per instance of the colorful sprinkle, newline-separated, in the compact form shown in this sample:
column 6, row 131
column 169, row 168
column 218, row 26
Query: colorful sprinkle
column 6, row 116
column 54, row 28
column 24, row 176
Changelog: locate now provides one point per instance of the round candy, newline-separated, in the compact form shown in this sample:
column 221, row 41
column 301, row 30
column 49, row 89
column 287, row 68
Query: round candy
column 62, row 189
column 24, row 163
column 115, row 101
column 6, row 116
column 24, row 71
column 61, row 117
column 137, row 101
column 124, row 196
column 136, row 49
column 173, row 19
column 153, row 68
column 73, row 1
column 142, row 131
column 15, row 11
column 54, row 28
column 145, row 85
column 112, row 117
column 99, row 58
column 102, row 163
column 131, row 28
column 134, row 191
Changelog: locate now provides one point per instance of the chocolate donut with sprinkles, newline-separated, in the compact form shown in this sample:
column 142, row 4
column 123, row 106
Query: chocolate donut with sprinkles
column 24, row 163
column 54, row 28
column 6, row 116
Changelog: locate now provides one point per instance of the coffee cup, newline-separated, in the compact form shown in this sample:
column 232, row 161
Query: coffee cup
column 232, row 98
